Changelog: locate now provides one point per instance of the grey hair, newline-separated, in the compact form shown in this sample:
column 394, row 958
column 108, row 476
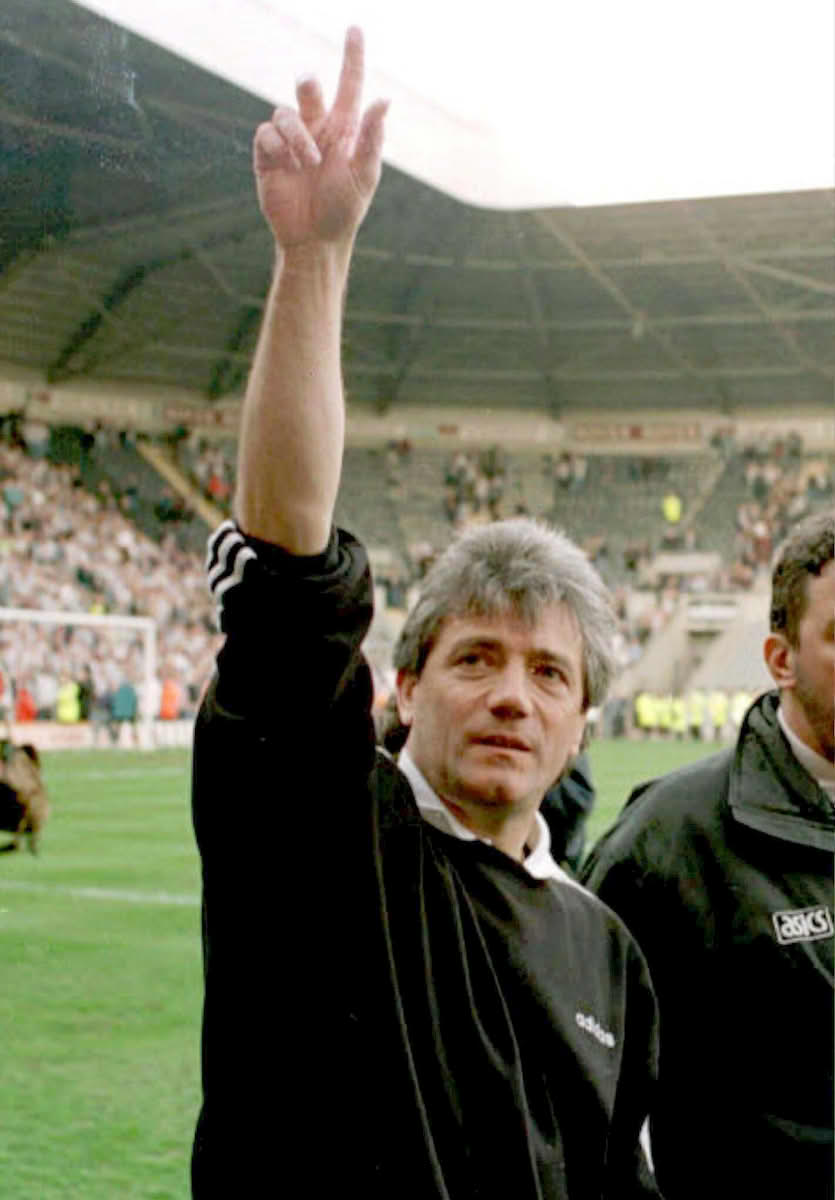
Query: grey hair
column 519, row 566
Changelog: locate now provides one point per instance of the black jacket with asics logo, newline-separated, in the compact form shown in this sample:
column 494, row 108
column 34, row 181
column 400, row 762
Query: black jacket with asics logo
column 724, row 872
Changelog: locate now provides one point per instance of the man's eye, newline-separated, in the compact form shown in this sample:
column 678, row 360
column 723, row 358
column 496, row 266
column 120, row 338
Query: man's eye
column 549, row 671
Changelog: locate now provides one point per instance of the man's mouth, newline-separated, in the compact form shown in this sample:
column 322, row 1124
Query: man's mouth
column 502, row 741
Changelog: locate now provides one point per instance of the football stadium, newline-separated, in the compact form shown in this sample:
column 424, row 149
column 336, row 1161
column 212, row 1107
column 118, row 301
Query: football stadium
column 649, row 369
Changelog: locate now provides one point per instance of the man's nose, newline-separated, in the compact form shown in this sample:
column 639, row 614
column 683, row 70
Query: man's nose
column 510, row 694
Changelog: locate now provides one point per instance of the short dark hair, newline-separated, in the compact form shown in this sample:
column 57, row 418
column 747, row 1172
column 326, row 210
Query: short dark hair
column 805, row 552
column 518, row 566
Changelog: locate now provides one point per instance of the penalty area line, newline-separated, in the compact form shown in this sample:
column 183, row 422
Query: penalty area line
column 115, row 895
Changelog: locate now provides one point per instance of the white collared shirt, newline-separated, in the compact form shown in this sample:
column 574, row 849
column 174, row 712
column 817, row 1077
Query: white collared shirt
column 820, row 768
column 538, row 862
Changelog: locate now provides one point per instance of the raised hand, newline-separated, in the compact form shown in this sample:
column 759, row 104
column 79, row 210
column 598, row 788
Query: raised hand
column 317, row 170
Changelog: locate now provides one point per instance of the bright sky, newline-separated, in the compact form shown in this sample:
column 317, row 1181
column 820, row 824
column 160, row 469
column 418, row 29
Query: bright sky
column 543, row 103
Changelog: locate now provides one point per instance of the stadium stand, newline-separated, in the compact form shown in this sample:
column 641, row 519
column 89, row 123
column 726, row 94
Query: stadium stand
column 103, row 520
column 371, row 500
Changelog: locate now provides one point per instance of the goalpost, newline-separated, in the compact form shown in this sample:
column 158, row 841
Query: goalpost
column 144, row 626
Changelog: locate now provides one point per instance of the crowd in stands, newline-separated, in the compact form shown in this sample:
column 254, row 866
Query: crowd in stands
column 64, row 548
column 474, row 487
column 782, row 482
column 211, row 466
column 783, row 486
column 568, row 471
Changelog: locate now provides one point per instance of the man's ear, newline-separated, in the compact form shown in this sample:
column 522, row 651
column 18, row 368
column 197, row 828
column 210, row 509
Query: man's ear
column 405, row 685
column 779, row 658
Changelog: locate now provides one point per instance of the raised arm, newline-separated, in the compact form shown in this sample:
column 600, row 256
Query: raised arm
column 316, row 171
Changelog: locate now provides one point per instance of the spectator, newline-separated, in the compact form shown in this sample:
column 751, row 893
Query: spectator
column 46, row 694
column 171, row 698
column 696, row 702
column 672, row 508
column 85, row 694
column 123, row 709
column 67, row 707
column 646, row 712
column 25, row 707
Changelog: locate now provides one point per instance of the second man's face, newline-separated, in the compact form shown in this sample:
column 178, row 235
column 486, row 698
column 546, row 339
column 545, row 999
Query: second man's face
column 498, row 708
column 813, row 662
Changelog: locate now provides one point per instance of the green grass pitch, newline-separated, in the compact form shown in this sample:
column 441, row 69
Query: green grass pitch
column 101, row 984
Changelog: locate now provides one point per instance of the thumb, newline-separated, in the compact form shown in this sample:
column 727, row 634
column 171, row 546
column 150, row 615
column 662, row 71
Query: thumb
column 368, row 151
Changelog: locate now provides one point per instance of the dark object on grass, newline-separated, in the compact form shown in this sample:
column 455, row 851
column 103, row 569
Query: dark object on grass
column 24, row 805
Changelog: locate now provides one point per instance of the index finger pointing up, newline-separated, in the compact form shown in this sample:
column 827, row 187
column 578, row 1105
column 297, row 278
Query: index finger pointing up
column 346, row 105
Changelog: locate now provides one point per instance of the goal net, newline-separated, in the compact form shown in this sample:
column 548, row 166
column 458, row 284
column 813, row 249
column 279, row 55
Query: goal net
column 41, row 649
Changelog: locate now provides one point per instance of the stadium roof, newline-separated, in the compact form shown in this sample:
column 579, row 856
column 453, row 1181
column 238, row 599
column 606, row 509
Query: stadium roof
column 132, row 251
column 535, row 105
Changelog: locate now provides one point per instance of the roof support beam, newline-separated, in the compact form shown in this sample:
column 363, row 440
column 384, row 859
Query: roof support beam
column 714, row 375
column 369, row 316
column 808, row 282
column 104, row 312
column 128, row 282
column 229, row 371
column 403, row 358
column 786, row 336
column 499, row 265
column 537, row 322
column 520, row 375
column 74, row 133
column 639, row 318
column 236, row 205
column 404, row 344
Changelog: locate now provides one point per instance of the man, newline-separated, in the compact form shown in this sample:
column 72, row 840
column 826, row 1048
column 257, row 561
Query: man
column 723, row 871
column 405, row 996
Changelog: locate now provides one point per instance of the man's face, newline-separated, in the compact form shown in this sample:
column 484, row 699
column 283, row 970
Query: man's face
column 498, row 708
column 812, row 693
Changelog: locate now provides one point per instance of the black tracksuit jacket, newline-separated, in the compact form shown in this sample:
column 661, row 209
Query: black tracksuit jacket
column 389, row 1011
column 723, row 870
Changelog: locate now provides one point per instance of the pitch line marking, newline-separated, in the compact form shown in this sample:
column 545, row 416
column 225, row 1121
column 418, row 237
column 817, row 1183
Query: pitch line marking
column 120, row 772
column 96, row 893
